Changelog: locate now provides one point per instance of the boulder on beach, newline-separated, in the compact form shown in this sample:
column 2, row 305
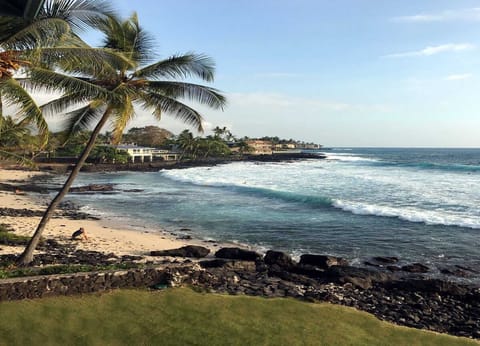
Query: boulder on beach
column 359, row 277
column 229, row 265
column 322, row 261
column 194, row 251
column 278, row 258
column 238, row 254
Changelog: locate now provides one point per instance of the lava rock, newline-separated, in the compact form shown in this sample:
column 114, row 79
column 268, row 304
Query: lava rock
column 278, row 258
column 385, row 259
column 455, row 272
column 359, row 277
column 429, row 285
column 322, row 261
column 185, row 251
column 184, row 237
column 92, row 188
column 237, row 253
column 216, row 263
column 394, row 268
column 415, row 268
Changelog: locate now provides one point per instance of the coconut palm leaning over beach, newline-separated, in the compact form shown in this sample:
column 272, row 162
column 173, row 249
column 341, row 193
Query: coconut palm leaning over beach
column 153, row 86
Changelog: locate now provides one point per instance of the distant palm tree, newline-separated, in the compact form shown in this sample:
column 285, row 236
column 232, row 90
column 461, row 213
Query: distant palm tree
column 188, row 143
column 118, row 88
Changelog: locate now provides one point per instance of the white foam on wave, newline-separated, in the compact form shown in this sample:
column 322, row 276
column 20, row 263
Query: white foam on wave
column 348, row 157
column 429, row 217
column 236, row 174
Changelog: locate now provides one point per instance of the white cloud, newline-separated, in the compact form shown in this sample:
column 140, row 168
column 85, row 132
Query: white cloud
column 454, row 77
column 433, row 50
column 280, row 101
column 465, row 14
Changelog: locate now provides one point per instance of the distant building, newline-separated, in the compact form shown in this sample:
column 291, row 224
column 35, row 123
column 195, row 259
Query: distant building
column 165, row 155
column 260, row 147
column 147, row 154
column 309, row 146
column 136, row 152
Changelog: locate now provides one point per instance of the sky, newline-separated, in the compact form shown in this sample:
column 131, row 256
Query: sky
column 346, row 73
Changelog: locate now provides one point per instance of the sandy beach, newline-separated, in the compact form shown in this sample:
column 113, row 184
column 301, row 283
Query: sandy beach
column 102, row 235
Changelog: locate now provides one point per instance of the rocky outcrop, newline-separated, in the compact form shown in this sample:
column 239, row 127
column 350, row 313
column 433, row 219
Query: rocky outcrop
column 279, row 259
column 92, row 188
column 322, row 261
column 415, row 268
column 385, row 259
column 185, row 251
column 238, row 254
column 359, row 277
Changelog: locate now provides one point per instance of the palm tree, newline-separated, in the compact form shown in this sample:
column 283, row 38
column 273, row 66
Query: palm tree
column 219, row 132
column 118, row 89
column 30, row 33
column 187, row 143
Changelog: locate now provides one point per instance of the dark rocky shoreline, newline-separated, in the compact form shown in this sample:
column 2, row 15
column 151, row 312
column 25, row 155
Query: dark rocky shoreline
column 159, row 165
column 407, row 299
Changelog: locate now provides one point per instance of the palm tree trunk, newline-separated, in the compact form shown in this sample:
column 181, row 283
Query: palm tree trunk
column 27, row 255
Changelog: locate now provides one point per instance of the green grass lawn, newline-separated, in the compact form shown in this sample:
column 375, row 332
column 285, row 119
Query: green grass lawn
column 185, row 317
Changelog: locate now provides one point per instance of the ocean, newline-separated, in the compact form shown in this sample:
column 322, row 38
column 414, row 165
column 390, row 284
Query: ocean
column 421, row 205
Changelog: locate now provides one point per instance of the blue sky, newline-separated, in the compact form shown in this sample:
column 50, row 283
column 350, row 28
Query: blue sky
column 340, row 73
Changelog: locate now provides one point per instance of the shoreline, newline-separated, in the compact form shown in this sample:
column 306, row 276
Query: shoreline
column 410, row 299
column 58, row 167
column 104, row 236
column 171, row 236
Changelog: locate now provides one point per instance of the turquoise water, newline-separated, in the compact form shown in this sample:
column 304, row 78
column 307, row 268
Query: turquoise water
column 417, row 204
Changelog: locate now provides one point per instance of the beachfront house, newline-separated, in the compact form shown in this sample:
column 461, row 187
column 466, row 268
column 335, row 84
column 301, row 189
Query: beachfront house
column 137, row 153
column 260, row 147
column 146, row 154
column 165, row 155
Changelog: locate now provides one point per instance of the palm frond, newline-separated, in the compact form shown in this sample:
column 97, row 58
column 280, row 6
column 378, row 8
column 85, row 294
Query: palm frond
column 18, row 34
column 122, row 116
column 84, row 60
column 128, row 38
column 14, row 94
column 82, row 118
column 162, row 104
column 80, row 14
column 21, row 160
column 180, row 66
column 12, row 133
column 51, row 81
column 61, row 104
column 199, row 93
